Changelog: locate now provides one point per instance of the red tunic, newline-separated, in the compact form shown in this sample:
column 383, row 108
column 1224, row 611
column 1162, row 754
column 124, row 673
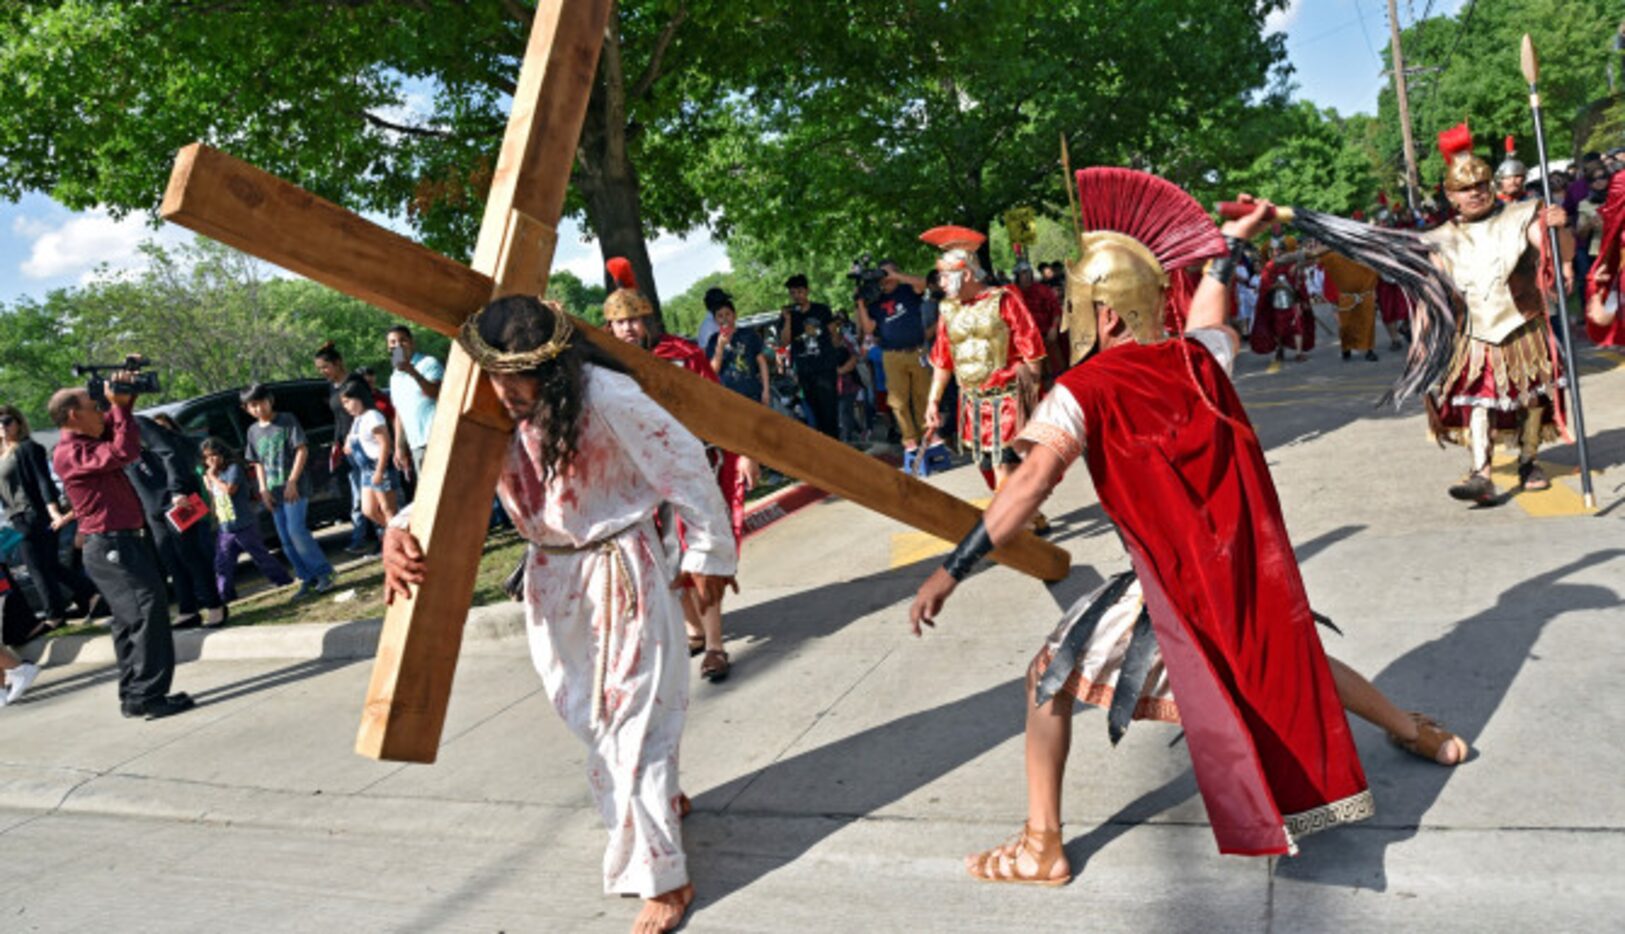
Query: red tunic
column 1193, row 499
column 687, row 354
column 1002, row 416
column 1392, row 303
column 1272, row 326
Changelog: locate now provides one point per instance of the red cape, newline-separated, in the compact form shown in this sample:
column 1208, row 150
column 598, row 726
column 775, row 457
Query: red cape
column 1267, row 333
column 687, row 354
column 1184, row 479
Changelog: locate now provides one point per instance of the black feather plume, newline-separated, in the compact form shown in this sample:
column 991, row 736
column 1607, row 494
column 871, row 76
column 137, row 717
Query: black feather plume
column 1405, row 259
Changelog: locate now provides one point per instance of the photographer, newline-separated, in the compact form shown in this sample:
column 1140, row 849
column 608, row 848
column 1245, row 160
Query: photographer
column 894, row 316
column 119, row 556
column 804, row 327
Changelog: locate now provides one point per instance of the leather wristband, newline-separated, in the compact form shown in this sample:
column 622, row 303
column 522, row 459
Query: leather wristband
column 1222, row 268
column 971, row 549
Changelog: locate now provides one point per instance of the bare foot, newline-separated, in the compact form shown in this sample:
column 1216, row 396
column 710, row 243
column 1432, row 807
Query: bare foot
column 664, row 912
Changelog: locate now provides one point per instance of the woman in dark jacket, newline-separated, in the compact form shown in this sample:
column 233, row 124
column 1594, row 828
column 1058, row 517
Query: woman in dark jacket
column 31, row 501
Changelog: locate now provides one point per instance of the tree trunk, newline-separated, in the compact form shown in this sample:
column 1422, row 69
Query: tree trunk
column 615, row 213
column 604, row 174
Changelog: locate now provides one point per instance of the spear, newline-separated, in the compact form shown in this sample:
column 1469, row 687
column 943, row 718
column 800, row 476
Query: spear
column 1531, row 73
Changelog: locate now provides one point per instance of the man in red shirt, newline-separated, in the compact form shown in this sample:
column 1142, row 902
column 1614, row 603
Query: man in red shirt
column 119, row 554
column 1045, row 307
column 631, row 318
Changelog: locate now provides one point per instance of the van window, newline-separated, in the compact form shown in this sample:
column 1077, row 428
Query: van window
column 309, row 405
column 221, row 417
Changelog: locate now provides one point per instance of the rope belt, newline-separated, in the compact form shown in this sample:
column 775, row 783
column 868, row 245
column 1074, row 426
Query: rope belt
column 617, row 582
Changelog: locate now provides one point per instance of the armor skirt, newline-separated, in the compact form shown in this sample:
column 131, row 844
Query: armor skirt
column 990, row 421
column 1520, row 372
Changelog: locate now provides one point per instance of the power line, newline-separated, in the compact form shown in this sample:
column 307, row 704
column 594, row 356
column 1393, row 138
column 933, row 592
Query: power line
column 1461, row 33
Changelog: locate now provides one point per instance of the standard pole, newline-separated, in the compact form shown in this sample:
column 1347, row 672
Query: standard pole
column 1404, row 105
column 1531, row 73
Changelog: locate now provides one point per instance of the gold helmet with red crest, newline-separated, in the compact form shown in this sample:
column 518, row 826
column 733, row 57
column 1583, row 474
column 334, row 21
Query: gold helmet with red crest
column 1135, row 230
column 958, row 261
column 1462, row 169
column 626, row 302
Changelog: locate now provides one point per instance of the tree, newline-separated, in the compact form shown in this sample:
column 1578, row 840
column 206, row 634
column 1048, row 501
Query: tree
column 577, row 297
column 208, row 317
column 389, row 107
column 900, row 115
column 1482, row 83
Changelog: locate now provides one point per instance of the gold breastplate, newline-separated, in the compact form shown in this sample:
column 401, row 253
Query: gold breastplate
column 979, row 337
column 1482, row 257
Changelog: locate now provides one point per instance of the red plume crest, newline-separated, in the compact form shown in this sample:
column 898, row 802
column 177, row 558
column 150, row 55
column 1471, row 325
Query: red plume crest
column 620, row 269
column 1511, row 144
column 953, row 237
column 1454, row 141
column 1152, row 210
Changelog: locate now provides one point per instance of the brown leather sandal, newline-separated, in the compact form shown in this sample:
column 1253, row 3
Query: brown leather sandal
column 715, row 667
column 685, row 807
column 696, row 645
column 1431, row 736
column 1003, row 863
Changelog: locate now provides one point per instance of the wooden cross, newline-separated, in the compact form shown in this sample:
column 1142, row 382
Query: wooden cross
column 237, row 204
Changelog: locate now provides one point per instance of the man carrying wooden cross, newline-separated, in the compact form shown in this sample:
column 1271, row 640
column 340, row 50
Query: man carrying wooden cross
column 592, row 461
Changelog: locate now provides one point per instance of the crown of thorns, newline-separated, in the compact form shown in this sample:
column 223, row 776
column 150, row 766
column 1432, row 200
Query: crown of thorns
column 517, row 361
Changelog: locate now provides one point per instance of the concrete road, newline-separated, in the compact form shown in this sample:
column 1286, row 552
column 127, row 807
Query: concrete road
column 845, row 768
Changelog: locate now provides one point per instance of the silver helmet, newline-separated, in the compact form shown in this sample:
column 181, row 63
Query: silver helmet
column 1510, row 166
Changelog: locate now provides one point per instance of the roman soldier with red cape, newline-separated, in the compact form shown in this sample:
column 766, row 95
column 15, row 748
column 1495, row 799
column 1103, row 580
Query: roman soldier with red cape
column 1212, row 629
column 630, row 317
column 1284, row 318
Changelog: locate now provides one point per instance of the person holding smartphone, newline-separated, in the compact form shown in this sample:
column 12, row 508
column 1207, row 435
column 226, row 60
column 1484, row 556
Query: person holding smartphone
column 414, row 388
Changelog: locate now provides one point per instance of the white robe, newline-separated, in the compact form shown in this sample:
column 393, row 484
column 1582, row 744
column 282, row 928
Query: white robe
column 631, row 458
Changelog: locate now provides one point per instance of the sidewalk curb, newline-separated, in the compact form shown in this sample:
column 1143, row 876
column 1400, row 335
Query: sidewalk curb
column 494, row 629
column 780, row 505
column 497, row 629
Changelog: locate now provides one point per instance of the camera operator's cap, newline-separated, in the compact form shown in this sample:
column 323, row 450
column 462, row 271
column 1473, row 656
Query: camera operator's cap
column 797, row 281
column 626, row 302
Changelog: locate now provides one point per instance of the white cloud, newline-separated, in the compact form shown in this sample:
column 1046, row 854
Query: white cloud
column 679, row 261
column 1283, row 19
column 81, row 243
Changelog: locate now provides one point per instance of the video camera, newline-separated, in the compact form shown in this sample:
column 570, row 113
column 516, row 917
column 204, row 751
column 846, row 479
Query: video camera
column 867, row 277
column 144, row 383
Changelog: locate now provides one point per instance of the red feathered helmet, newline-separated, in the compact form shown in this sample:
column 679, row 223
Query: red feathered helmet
column 1137, row 230
column 1463, row 170
column 626, row 302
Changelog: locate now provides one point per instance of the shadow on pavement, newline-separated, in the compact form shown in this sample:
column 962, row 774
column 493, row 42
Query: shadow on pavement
column 843, row 781
column 1480, row 657
column 268, row 680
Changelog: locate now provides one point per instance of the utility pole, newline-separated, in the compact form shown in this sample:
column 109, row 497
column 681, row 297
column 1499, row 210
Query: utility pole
column 1404, row 106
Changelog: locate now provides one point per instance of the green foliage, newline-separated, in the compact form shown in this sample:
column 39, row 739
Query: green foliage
column 206, row 315
column 578, row 298
column 897, row 115
column 1310, row 158
column 1483, row 84
column 381, row 106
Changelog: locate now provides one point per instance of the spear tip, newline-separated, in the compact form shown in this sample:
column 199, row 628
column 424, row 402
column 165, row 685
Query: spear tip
column 1531, row 67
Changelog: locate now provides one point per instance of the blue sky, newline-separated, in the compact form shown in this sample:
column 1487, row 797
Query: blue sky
column 1333, row 44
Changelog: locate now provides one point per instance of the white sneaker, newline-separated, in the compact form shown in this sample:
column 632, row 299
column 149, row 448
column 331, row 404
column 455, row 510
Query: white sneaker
column 19, row 679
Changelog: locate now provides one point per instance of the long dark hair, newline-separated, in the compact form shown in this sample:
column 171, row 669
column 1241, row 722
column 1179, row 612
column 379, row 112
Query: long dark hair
column 517, row 323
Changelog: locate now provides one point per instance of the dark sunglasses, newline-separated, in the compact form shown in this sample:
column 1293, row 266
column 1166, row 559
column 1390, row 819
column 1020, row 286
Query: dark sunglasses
column 7, row 420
